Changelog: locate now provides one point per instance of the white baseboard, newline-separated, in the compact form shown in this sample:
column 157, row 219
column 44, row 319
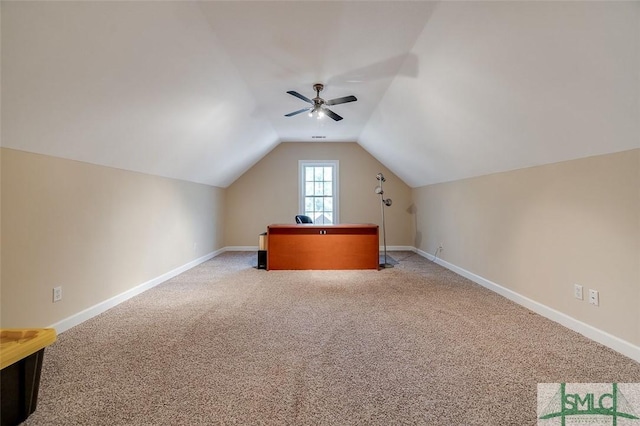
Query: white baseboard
column 255, row 248
column 101, row 307
column 397, row 248
column 609, row 340
column 241, row 248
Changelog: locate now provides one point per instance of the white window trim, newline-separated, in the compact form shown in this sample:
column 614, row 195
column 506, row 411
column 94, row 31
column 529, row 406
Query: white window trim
column 336, row 186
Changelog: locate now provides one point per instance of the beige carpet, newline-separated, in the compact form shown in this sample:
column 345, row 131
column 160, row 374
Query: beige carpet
column 225, row 343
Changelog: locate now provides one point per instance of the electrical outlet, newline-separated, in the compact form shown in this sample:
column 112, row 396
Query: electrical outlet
column 594, row 297
column 57, row 294
column 577, row 291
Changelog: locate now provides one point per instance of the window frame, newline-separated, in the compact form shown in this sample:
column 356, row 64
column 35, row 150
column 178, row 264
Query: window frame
column 302, row 164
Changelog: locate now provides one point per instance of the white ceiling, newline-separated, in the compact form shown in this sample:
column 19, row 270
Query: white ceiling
column 197, row 90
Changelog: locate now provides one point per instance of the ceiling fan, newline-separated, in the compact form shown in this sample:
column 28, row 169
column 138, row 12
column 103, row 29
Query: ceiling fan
column 318, row 104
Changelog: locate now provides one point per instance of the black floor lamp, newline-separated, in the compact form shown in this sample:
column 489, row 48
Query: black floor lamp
column 383, row 203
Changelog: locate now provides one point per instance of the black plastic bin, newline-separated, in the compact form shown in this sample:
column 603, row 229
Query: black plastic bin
column 262, row 251
column 21, row 354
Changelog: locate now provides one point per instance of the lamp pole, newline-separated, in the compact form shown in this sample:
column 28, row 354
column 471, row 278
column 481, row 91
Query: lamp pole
column 383, row 203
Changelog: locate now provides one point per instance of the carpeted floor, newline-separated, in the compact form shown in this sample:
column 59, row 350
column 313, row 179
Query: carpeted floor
column 225, row 343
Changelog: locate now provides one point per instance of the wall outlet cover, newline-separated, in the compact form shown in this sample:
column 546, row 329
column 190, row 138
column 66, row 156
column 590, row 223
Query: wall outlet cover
column 57, row 294
column 577, row 291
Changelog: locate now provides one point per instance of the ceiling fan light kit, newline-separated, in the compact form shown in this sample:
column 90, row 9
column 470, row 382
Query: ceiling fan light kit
column 318, row 107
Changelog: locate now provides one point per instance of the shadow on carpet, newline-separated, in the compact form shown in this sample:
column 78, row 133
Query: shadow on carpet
column 389, row 261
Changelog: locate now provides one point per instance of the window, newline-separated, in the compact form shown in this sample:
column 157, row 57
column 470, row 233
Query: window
column 319, row 190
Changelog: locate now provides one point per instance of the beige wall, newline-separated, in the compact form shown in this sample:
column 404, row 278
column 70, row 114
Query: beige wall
column 268, row 192
column 98, row 231
column 95, row 231
column 537, row 231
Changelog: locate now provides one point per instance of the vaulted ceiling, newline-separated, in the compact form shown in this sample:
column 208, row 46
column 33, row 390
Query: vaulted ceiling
column 197, row 90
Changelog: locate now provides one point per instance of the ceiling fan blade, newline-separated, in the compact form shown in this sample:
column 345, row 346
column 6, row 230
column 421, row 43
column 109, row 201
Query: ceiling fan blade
column 332, row 114
column 291, row 114
column 299, row 96
column 341, row 100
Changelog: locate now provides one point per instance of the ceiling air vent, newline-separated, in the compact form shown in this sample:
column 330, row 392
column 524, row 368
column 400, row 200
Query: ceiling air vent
column 318, row 137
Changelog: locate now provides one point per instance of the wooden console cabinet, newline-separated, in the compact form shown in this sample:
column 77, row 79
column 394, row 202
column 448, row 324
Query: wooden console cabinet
column 311, row 246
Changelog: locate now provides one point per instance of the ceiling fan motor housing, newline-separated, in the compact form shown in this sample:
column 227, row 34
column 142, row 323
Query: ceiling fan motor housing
column 318, row 101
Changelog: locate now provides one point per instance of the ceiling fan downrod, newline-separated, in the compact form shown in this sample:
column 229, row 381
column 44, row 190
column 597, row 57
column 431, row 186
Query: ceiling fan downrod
column 318, row 101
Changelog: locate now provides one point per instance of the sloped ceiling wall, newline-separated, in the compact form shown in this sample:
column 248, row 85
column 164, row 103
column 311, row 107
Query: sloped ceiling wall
column 507, row 85
column 197, row 90
column 142, row 86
